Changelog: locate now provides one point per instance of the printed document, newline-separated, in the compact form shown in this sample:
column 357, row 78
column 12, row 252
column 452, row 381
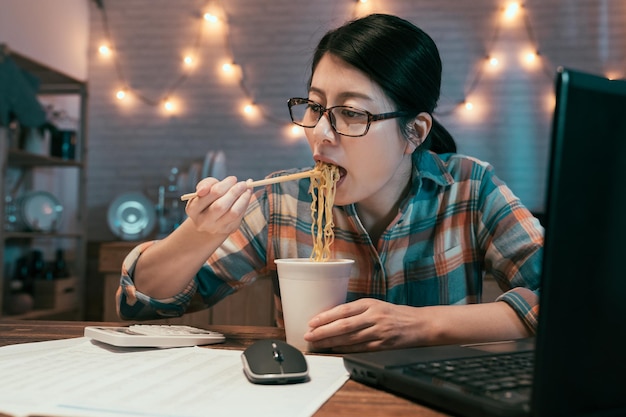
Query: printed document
column 80, row 377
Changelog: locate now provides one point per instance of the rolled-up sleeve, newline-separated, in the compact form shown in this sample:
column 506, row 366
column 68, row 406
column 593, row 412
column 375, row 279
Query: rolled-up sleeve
column 132, row 304
column 513, row 240
column 234, row 265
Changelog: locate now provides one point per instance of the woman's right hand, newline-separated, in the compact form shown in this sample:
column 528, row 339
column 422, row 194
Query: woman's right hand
column 166, row 268
column 219, row 205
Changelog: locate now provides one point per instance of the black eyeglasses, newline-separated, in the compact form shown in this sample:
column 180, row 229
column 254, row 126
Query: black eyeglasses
column 345, row 120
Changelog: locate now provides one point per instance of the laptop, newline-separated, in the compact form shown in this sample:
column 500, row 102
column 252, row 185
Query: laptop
column 576, row 364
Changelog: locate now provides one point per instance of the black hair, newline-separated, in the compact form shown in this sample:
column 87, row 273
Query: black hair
column 402, row 59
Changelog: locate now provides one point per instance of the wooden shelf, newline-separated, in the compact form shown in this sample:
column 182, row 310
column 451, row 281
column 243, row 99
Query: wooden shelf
column 40, row 235
column 53, row 87
column 22, row 158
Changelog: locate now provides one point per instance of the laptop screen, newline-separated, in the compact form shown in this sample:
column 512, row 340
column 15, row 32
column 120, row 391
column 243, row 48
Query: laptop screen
column 581, row 330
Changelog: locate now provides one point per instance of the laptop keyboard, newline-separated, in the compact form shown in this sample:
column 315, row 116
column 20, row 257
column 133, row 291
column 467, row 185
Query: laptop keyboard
column 505, row 377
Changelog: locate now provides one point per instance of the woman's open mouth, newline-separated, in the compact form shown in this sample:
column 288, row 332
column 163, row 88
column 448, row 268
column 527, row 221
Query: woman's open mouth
column 342, row 175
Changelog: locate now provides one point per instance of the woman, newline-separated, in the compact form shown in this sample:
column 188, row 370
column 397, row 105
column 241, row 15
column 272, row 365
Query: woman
column 424, row 224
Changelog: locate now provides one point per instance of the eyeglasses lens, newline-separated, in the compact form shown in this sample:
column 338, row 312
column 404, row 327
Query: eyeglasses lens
column 345, row 120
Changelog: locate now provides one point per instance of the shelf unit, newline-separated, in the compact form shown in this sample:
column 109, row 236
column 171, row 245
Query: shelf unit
column 42, row 171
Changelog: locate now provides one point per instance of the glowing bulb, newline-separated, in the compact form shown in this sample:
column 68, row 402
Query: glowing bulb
column 296, row 130
column 120, row 94
column 168, row 105
column 493, row 62
column 188, row 60
column 104, row 50
column 469, row 105
column 613, row 75
column 362, row 1
column 511, row 10
column 211, row 18
column 229, row 71
column 293, row 133
column 250, row 111
column 529, row 59
column 550, row 101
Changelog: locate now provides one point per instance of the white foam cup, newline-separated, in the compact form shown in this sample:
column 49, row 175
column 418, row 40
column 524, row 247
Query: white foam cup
column 308, row 288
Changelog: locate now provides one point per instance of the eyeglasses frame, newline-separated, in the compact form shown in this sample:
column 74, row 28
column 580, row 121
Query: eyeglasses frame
column 326, row 111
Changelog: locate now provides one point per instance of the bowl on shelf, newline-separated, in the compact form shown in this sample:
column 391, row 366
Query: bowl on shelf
column 131, row 216
column 38, row 211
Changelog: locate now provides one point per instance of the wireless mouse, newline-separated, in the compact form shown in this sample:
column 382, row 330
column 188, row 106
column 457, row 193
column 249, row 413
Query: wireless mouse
column 272, row 361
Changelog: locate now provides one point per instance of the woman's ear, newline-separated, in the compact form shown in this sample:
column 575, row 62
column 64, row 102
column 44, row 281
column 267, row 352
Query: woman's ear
column 418, row 130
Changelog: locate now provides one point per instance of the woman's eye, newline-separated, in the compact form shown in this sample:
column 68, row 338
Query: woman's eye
column 352, row 114
column 316, row 108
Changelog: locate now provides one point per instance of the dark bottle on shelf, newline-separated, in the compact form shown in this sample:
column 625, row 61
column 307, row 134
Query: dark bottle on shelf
column 60, row 266
column 23, row 280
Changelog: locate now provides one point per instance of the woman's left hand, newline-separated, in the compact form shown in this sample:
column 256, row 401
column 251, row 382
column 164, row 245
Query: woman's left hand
column 368, row 324
column 362, row 325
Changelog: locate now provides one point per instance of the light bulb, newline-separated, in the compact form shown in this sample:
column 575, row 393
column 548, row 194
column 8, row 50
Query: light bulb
column 104, row 50
column 511, row 10
column 613, row 75
column 296, row 130
column 211, row 18
column 120, row 94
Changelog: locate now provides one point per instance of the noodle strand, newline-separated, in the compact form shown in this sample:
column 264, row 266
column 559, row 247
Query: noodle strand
column 322, row 190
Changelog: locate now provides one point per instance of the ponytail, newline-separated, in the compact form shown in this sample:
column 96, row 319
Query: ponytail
column 439, row 140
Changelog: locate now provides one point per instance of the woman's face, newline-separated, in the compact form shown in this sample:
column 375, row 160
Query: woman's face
column 374, row 167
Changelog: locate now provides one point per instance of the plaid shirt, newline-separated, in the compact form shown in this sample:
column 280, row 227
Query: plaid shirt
column 458, row 224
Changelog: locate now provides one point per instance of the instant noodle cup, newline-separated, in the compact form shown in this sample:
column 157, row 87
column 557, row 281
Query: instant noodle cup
column 307, row 288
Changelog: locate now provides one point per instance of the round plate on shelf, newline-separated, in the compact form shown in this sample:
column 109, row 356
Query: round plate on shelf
column 208, row 162
column 39, row 211
column 131, row 216
column 194, row 173
column 218, row 169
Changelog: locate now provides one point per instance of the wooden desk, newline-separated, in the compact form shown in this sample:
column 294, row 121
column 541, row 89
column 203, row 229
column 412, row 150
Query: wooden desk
column 353, row 399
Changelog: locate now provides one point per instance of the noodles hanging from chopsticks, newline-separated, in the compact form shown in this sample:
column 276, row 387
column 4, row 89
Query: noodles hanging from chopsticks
column 322, row 189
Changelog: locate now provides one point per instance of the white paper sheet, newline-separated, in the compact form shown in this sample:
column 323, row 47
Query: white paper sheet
column 78, row 377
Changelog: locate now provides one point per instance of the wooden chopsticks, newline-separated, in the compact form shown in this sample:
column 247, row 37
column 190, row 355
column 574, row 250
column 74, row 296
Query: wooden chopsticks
column 267, row 181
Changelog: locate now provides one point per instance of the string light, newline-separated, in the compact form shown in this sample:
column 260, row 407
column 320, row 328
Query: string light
column 550, row 102
column 511, row 10
column 296, row 130
column 530, row 59
column 362, row 8
column 104, row 50
column 613, row 75
column 188, row 60
column 211, row 18
column 216, row 20
column 227, row 68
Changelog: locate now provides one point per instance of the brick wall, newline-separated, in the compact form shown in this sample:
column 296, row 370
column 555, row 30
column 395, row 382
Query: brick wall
column 133, row 146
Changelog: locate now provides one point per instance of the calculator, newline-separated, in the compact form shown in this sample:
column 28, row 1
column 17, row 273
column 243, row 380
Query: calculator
column 153, row 335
